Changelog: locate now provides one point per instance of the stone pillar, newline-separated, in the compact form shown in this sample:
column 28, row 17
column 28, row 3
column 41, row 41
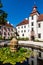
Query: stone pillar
column 14, row 45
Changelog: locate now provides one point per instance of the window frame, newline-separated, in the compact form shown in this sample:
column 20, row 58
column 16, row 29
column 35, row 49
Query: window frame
column 39, row 25
column 32, row 29
column 24, row 26
column 0, row 27
column 21, row 26
column 39, row 54
column 24, row 30
column 21, row 30
column 32, row 17
column 32, row 24
column 22, row 34
column 39, row 35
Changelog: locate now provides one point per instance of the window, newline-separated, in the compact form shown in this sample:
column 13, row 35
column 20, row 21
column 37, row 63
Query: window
column 39, row 35
column 39, row 25
column 18, row 27
column 32, row 17
column 32, row 24
column 21, row 30
column 0, row 27
column 24, row 30
column 8, row 34
column 32, row 29
column 4, row 33
column 39, row 54
column 24, row 26
column 5, row 29
column 22, row 34
column 9, row 29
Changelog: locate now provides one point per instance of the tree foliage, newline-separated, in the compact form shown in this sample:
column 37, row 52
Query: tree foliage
column 3, row 15
column 6, row 56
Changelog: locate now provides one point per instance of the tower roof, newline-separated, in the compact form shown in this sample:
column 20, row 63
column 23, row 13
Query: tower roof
column 34, row 11
column 34, row 6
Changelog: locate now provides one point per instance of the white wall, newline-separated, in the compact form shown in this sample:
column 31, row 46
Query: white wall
column 37, row 30
column 26, row 34
column 35, row 25
column 40, row 30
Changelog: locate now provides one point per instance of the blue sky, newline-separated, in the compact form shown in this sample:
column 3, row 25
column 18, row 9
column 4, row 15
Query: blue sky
column 19, row 9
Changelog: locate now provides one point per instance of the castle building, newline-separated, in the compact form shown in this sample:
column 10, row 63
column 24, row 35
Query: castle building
column 7, row 31
column 31, row 27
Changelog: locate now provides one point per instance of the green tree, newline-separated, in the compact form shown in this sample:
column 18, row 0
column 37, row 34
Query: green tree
column 3, row 15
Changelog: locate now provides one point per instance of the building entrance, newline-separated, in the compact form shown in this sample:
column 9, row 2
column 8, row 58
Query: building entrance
column 32, row 38
column 32, row 35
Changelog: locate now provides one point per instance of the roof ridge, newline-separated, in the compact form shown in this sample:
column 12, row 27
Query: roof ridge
column 23, row 22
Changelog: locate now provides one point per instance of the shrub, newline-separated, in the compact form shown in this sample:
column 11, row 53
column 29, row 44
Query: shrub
column 25, row 39
column 38, row 40
column 0, row 37
column 6, row 56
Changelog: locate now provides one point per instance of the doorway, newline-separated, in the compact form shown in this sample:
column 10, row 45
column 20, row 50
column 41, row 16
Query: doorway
column 32, row 38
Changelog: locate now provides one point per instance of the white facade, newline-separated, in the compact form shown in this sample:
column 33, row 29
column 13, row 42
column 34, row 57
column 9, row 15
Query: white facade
column 34, row 27
column 23, row 30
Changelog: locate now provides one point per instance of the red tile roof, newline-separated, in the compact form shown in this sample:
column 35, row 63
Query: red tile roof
column 8, row 25
column 40, row 18
column 23, row 22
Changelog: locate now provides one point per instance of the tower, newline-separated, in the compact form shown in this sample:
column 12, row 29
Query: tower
column 33, row 23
